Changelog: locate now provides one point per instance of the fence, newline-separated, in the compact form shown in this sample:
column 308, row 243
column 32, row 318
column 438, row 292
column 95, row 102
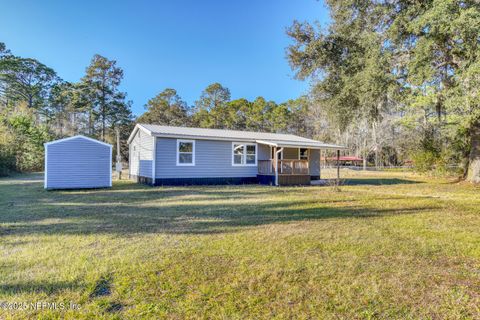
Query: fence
column 354, row 172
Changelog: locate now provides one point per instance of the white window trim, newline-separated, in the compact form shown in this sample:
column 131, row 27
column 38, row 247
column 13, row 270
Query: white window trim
column 308, row 154
column 244, row 155
column 178, row 153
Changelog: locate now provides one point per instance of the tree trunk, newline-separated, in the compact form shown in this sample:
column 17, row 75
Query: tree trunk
column 365, row 154
column 90, row 122
column 375, row 144
column 103, row 126
column 473, row 174
column 74, row 123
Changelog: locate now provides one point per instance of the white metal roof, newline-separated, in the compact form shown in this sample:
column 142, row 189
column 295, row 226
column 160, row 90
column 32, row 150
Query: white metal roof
column 274, row 139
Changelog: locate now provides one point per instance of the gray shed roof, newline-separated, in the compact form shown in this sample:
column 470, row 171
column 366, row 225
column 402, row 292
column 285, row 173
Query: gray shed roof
column 274, row 139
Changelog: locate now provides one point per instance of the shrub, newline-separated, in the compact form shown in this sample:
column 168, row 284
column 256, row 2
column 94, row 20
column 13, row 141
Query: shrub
column 424, row 161
column 21, row 144
column 7, row 153
column 28, row 140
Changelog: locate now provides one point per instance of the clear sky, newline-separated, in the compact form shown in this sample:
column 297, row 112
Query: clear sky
column 182, row 44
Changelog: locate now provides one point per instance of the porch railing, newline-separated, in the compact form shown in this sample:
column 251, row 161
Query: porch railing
column 284, row 167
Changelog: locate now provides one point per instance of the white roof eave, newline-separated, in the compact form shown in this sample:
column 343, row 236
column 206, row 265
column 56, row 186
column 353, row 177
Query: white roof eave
column 134, row 132
column 198, row 137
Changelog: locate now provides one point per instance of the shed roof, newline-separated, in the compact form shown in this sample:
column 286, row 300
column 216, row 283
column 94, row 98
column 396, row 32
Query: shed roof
column 77, row 137
column 274, row 139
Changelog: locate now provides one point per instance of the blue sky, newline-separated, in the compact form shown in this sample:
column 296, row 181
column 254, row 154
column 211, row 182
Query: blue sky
column 183, row 44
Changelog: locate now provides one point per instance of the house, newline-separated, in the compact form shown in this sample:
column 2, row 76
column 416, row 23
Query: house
column 164, row 155
column 77, row 162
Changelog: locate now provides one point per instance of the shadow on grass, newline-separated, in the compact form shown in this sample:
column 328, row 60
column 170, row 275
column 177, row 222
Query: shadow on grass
column 378, row 182
column 129, row 208
column 38, row 287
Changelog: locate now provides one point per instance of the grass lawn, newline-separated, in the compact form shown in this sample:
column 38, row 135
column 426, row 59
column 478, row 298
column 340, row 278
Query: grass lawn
column 388, row 245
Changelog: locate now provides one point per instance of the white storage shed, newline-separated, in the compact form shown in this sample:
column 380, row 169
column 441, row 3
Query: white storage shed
column 78, row 162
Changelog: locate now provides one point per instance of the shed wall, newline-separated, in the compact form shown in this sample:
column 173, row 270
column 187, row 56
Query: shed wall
column 77, row 163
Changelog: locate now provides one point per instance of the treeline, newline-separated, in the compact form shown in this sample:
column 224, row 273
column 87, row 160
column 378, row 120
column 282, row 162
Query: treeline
column 398, row 78
column 215, row 109
column 36, row 106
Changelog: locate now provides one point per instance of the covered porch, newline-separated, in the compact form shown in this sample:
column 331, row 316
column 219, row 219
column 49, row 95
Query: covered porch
column 289, row 172
column 293, row 164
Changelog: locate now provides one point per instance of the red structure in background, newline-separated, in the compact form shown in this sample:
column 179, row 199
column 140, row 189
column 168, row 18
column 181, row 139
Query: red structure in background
column 344, row 160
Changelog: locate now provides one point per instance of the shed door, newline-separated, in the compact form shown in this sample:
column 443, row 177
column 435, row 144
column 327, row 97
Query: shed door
column 135, row 164
column 137, row 161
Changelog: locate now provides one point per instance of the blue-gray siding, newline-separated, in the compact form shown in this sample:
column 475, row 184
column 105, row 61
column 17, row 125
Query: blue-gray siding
column 213, row 158
column 264, row 152
column 141, row 155
column 77, row 163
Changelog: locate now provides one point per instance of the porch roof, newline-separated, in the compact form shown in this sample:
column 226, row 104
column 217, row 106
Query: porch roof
column 312, row 144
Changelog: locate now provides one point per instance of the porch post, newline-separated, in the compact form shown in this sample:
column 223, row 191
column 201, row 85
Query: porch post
column 275, row 159
column 319, row 164
column 324, row 159
column 338, row 164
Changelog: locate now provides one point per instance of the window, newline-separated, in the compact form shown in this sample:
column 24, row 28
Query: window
column 244, row 154
column 185, row 152
column 251, row 154
column 238, row 151
column 303, row 154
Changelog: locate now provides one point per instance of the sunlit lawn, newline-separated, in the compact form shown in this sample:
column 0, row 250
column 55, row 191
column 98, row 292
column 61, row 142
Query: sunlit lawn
column 388, row 245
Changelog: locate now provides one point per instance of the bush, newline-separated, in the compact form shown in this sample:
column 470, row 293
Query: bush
column 7, row 153
column 435, row 163
column 424, row 161
column 21, row 144
column 29, row 140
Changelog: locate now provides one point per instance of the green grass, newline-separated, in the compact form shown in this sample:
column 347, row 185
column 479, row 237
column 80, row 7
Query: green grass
column 388, row 245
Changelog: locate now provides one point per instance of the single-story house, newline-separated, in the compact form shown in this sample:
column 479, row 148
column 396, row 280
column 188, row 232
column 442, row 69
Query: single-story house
column 77, row 162
column 165, row 155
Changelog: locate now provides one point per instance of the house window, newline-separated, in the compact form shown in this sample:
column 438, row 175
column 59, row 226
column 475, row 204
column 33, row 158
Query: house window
column 244, row 154
column 303, row 154
column 185, row 152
